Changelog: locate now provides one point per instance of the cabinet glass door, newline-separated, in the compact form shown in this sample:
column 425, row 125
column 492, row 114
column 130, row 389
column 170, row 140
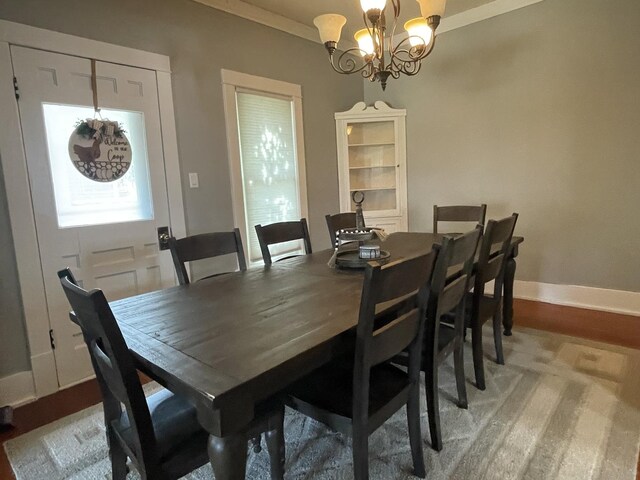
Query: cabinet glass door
column 372, row 164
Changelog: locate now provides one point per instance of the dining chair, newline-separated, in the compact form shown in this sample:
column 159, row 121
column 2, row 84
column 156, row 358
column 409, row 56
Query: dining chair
column 459, row 213
column 481, row 307
column 282, row 232
column 450, row 283
column 356, row 396
column 205, row 245
column 337, row 222
column 160, row 433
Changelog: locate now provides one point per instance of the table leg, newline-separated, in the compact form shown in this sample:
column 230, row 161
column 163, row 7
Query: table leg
column 228, row 456
column 507, row 297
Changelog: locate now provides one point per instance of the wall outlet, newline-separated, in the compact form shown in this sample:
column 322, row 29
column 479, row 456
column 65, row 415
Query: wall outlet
column 193, row 180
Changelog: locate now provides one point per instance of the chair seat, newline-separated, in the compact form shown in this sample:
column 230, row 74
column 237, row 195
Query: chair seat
column 330, row 388
column 175, row 424
column 446, row 335
column 488, row 305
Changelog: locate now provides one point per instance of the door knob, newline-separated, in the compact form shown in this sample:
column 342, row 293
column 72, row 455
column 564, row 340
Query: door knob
column 163, row 238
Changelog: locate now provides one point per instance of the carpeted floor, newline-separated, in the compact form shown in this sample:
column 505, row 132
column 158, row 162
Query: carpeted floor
column 562, row 408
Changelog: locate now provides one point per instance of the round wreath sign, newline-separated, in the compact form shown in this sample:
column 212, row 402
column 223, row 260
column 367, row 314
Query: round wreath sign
column 100, row 150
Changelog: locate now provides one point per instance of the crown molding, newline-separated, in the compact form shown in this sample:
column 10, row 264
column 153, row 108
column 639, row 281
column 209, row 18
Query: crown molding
column 483, row 12
column 264, row 17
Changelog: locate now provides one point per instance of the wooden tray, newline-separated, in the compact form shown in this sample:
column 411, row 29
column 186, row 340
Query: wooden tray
column 351, row 259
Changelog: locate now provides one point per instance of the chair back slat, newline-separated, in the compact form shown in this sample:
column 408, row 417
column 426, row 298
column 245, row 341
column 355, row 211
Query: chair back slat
column 282, row 232
column 459, row 213
column 453, row 293
column 205, row 245
column 112, row 363
column 491, row 269
column 338, row 222
column 404, row 278
column 464, row 247
column 394, row 337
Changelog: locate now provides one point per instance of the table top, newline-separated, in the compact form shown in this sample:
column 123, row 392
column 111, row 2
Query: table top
column 230, row 341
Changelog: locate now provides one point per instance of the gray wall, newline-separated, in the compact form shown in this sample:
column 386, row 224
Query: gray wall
column 14, row 355
column 200, row 41
column 536, row 111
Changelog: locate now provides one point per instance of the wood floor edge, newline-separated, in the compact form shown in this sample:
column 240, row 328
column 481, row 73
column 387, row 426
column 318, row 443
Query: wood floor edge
column 607, row 327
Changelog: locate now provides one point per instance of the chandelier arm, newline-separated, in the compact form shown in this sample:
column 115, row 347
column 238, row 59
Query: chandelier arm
column 396, row 8
column 393, row 33
column 408, row 68
column 411, row 52
column 348, row 65
column 368, row 72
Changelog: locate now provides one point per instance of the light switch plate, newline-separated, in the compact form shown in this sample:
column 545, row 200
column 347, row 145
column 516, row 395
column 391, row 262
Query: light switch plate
column 193, row 180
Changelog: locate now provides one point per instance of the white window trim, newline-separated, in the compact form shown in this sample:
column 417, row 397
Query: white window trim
column 231, row 83
column 43, row 371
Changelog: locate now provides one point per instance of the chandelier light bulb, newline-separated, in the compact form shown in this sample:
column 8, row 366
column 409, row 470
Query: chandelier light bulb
column 419, row 31
column 368, row 5
column 365, row 42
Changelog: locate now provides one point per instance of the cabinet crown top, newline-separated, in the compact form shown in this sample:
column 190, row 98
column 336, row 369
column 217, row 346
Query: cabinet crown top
column 378, row 109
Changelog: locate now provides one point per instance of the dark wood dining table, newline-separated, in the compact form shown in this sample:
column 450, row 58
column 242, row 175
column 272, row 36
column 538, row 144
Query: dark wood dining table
column 229, row 342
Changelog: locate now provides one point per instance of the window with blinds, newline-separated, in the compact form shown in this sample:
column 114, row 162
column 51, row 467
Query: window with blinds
column 268, row 158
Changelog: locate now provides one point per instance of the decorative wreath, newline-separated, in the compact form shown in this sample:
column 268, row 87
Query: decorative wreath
column 100, row 150
column 96, row 128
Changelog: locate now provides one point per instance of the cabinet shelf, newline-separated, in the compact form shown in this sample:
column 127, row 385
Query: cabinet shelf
column 371, row 144
column 364, row 167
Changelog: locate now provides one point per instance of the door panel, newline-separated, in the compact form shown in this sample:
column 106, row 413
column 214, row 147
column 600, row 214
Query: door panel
column 105, row 232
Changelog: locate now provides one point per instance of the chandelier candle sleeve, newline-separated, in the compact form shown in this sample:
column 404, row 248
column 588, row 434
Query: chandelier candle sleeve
column 432, row 8
column 378, row 56
column 330, row 27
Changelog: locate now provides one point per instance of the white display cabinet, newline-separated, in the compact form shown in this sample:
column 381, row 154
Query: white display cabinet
column 372, row 159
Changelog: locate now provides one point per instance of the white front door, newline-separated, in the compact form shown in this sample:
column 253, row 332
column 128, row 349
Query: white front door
column 106, row 232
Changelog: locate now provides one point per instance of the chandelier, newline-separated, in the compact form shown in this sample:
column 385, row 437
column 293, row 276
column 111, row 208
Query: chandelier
column 382, row 59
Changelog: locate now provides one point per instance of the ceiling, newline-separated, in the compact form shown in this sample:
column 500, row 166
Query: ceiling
column 304, row 11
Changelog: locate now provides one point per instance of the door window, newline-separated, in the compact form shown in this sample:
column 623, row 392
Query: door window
column 80, row 201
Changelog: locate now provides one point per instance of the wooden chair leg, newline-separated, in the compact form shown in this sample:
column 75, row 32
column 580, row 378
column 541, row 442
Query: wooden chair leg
column 478, row 360
column 433, row 406
column 256, row 443
column 360, row 453
column 274, row 437
column 458, row 364
column 118, row 456
column 415, row 436
column 497, row 335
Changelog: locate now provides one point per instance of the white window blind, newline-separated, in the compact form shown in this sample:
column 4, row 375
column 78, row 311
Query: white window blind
column 268, row 160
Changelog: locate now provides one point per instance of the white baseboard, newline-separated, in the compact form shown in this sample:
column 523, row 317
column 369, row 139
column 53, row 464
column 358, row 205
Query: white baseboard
column 17, row 389
column 616, row 301
column 44, row 373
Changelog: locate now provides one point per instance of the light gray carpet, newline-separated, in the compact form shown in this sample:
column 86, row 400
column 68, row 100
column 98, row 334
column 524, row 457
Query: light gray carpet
column 562, row 408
